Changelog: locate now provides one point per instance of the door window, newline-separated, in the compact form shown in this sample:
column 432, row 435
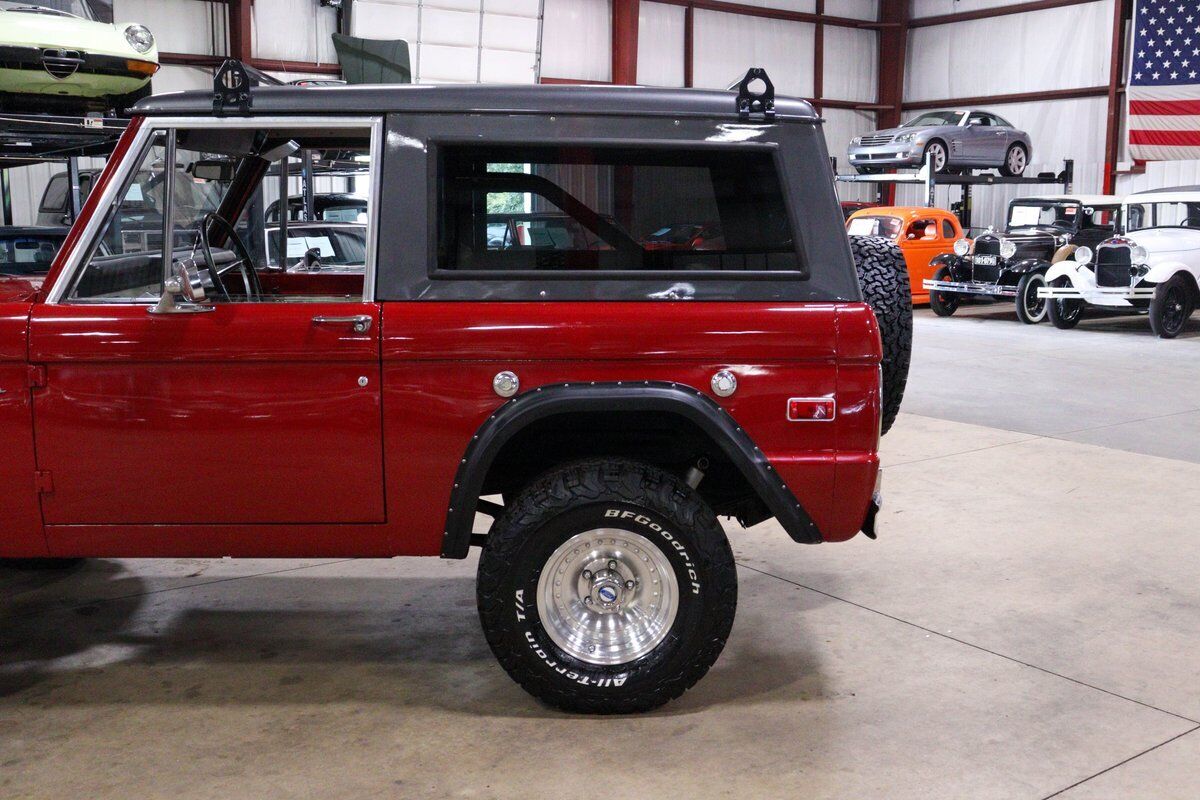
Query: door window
column 218, row 208
column 948, row 229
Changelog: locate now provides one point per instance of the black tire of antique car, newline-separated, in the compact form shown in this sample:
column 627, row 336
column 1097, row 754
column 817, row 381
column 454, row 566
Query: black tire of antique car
column 1007, row 168
column 1064, row 314
column 611, row 509
column 1030, row 308
column 1174, row 301
column 883, row 276
column 944, row 304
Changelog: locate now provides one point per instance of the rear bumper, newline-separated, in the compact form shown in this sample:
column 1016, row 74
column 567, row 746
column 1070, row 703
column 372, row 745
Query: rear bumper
column 868, row 527
column 970, row 287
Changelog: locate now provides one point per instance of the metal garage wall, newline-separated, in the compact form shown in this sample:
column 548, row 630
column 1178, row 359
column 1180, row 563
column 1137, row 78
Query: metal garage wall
column 1060, row 48
column 294, row 30
column 842, row 125
column 660, row 44
column 458, row 41
column 577, row 40
column 726, row 45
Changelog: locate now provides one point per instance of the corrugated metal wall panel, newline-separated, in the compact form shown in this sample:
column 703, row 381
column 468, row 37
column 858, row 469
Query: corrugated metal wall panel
column 458, row 41
column 660, row 44
column 726, row 45
column 851, row 63
column 842, row 125
column 1061, row 48
column 577, row 40
column 291, row 31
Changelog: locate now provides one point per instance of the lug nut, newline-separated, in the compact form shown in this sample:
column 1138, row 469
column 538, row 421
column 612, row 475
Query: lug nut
column 612, row 565
column 587, row 601
column 629, row 584
column 587, row 574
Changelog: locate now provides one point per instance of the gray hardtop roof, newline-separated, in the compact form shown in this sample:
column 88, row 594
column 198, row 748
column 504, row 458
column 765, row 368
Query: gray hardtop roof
column 476, row 99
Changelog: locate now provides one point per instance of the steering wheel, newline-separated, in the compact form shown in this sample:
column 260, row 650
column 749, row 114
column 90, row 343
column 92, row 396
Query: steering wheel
column 1190, row 222
column 245, row 264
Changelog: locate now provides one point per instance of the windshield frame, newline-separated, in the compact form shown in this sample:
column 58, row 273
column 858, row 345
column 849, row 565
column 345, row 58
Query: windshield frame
column 915, row 122
column 1074, row 226
column 45, row 7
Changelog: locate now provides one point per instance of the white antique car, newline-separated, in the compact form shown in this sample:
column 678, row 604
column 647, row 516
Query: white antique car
column 1154, row 267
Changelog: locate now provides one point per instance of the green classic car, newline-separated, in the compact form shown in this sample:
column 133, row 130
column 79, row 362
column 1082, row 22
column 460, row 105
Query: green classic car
column 55, row 55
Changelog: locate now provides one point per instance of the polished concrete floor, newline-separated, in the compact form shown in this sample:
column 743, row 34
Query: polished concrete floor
column 1027, row 626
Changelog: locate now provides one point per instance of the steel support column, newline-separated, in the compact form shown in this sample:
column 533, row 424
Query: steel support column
column 625, row 41
column 1122, row 11
column 893, row 45
column 241, row 25
column 819, row 58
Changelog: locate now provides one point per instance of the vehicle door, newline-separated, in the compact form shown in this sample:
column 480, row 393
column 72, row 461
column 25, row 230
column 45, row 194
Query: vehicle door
column 984, row 141
column 922, row 240
column 249, row 407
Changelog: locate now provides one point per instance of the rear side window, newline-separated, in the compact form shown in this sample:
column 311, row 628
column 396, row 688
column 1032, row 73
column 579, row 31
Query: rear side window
column 947, row 229
column 611, row 209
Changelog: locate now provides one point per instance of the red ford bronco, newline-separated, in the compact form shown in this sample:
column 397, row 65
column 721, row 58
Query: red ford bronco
column 189, row 382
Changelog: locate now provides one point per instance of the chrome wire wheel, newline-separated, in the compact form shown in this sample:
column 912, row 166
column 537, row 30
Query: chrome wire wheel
column 607, row 596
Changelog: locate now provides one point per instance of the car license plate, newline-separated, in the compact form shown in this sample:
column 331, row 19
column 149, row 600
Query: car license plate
column 985, row 261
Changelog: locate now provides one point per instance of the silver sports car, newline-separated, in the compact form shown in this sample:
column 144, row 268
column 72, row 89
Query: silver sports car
column 954, row 141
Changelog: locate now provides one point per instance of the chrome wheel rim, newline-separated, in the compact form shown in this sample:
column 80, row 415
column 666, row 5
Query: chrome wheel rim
column 939, row 156
column 607, row 596
column 1016, row 160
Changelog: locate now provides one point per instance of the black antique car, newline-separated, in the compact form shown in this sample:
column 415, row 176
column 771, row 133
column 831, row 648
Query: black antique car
column 1040, row 231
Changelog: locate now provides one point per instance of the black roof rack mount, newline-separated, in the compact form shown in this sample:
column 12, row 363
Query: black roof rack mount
column 749, row 102
column 232, row 82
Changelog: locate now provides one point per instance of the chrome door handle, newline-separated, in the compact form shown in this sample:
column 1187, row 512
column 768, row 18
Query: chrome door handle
column 361, row 323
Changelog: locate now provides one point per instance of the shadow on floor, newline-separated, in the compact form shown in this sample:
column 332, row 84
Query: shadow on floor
column 402, row 641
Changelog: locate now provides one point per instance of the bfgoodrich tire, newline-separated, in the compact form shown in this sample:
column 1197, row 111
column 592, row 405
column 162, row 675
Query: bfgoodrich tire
column 883, row 277
column 607, row 587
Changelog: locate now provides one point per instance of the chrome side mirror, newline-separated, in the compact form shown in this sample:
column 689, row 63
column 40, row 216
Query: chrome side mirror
column 182, row 292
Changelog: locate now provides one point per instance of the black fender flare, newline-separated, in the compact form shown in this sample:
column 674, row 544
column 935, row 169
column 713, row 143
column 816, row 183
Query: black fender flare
column 1029, row 265
column 676, row 398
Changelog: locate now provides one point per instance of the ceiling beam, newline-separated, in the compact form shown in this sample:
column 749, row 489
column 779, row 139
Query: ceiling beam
column 771, row 13
column 1016, row 97
column 998, row 11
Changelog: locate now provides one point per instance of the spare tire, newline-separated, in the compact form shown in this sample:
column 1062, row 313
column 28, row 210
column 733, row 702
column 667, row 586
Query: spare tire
column 883, row 277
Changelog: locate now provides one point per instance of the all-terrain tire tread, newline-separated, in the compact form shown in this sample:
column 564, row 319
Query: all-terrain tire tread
column 596, row 480
column 883, row 276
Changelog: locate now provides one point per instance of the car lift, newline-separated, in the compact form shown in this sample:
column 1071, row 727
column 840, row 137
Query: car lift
column 37, row 138
column 931, row 180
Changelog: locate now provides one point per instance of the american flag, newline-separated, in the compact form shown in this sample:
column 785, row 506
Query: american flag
column 1164, row 81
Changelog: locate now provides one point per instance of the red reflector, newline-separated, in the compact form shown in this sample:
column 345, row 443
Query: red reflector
column 811, row 409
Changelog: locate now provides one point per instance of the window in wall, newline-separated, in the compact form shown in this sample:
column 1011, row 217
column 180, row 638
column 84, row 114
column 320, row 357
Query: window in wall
column 506, row 209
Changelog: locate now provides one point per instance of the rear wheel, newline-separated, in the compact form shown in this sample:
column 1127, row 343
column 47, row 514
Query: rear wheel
column 883, row 276
column 944, row 304
column 607, row 587
column 1173, row 303
column 1066, row 313
column 1031, row 309
column 1015, row 161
